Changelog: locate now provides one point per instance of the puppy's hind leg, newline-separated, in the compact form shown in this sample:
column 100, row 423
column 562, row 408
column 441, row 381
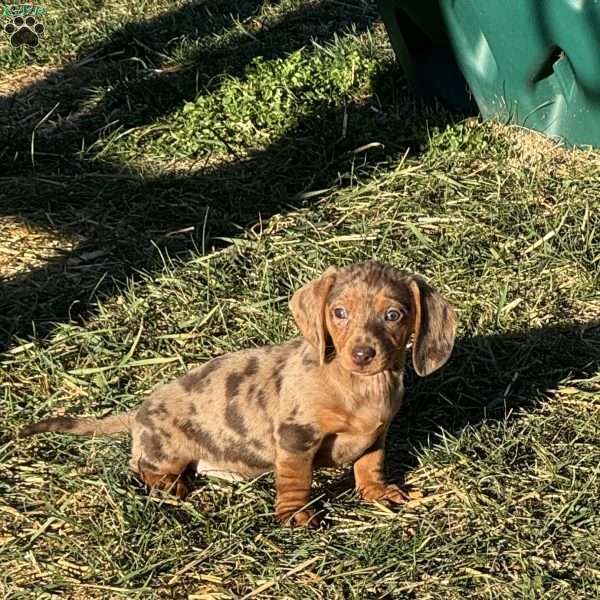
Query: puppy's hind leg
column 158, row 463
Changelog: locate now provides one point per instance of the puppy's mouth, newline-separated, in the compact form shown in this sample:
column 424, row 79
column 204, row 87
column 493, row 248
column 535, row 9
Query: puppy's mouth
column 368, row 372
column 370, row 369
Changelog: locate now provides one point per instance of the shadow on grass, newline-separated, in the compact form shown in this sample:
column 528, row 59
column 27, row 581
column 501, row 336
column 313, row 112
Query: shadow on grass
column 131, row 79
column 123, row 221
column 487, row 379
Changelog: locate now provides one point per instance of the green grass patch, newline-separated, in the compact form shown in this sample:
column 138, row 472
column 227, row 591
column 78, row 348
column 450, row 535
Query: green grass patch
column 248, row 113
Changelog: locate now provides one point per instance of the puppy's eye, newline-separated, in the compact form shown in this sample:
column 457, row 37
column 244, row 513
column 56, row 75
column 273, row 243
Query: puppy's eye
column 393, row 315
column 340, row 313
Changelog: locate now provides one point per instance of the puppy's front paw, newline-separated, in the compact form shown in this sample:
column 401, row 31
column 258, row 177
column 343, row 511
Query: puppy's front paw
column 170, row 484
column 302, row 518
column 390, row 492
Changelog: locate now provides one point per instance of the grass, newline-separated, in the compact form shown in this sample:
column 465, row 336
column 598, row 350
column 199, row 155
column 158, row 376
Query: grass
column 177, row 247
column 238, row 116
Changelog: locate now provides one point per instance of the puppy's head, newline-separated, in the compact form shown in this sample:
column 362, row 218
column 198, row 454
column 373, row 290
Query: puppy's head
column 367, row 312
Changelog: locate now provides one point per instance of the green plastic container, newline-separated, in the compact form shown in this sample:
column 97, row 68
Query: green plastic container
column 531, row 62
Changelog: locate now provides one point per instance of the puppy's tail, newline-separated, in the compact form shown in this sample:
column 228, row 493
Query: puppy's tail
column 83, row 426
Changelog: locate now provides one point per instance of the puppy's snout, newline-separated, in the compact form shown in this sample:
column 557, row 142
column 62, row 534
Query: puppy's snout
column 363, row 355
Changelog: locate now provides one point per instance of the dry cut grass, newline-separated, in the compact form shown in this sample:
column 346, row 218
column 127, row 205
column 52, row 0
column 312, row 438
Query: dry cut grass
column 170, row 267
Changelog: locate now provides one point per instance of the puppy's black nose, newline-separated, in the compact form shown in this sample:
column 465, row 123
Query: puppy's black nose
column 363, row 355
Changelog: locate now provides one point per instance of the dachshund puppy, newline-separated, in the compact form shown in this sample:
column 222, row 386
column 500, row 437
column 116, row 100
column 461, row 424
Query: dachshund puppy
column 323, row 400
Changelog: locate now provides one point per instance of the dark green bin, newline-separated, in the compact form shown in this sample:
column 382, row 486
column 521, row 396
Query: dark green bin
column 531, row 62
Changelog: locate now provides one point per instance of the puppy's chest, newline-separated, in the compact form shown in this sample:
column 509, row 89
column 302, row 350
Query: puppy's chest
column 371, row 408
column 366, row 423
column 348, row 442
column 358, row 428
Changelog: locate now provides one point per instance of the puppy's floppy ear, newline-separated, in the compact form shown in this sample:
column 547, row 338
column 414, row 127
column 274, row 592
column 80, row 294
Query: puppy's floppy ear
column 308, row 309
column 434, row 327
